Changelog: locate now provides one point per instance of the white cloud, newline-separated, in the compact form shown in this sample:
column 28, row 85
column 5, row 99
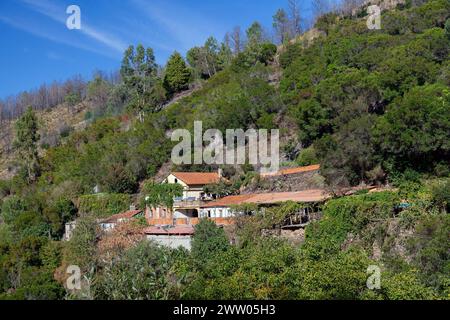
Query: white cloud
column 24, row 25
column 59, row 15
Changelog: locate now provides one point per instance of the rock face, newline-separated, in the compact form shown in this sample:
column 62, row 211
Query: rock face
column 295, row 237
column 384, row 4
column 308, row 37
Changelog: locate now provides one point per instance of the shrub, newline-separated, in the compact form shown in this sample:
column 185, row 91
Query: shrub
column 440, row 192
column 72, row 99
column 103, row 205
column 146, row 271
column 307, row 157
column 208, row 240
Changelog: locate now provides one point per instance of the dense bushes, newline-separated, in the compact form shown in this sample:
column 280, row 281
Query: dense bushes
column 230, row 100
column 148, row 269
column 366, row 101
column 103, row 205
column 414, row 131
column 331, row 264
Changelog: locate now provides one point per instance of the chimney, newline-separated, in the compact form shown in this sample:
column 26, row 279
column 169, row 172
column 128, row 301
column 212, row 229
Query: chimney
column 220, row 172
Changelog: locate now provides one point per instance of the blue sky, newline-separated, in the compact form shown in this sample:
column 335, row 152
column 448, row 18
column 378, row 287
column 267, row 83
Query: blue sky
column 36, row 46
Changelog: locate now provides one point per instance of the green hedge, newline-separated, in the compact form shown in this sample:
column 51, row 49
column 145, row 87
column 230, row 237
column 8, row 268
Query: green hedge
column 103, row 205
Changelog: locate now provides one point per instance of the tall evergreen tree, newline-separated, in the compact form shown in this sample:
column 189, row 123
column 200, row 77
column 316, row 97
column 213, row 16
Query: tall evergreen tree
column 281, row 25
column 177, row 74
column 27, row 138
column 254, row 35
column 204, row 60
column 139, row 74
column 225, row 55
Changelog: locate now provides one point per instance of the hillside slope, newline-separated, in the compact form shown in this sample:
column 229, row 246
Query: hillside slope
column 55, row 124
column 370, row 105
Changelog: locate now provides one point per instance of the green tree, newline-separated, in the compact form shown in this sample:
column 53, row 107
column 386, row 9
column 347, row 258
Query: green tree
column 205, row 60
column 177, row 74
column 254, row 35
column 208, row 241
column 72, row 99
column 313, row 120
column 26, row 143
column 146, row 271
column 405, row 286
column 161, row 194
column 281, row 25
column 307, row 156
column 98, row 92
column 139, row 73
column 81, row 249
column 414, row 132
column 224, row 56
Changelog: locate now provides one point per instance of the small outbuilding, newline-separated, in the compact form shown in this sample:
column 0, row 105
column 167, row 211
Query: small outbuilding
column 171, row 236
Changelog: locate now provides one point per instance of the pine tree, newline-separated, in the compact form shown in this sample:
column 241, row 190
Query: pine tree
column 281, row 25
column 254, row 35
column 139, row 74
column 177, row 74
column 27, row 138
column 225, row 55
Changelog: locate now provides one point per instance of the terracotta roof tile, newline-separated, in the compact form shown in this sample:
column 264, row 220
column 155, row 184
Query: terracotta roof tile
column 315, row 195
column 228, row 201
column 296, row 170
column 177, row 230
column 197, row 178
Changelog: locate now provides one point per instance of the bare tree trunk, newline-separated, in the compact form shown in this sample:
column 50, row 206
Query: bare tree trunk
column 294, row 10
column 237, row 40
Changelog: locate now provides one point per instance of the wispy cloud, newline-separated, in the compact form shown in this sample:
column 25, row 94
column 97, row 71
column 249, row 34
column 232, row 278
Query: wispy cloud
column 147, row 35
column 184, row 26
column 24, row 25
column 55, row 13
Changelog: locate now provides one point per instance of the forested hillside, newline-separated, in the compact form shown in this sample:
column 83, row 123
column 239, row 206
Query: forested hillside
column 371, row 106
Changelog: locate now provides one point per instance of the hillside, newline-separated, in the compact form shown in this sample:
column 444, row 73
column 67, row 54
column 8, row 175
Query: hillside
column 55, row 124
column 371, row 106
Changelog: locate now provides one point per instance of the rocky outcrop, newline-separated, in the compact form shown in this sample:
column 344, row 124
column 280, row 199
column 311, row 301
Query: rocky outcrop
column 383, row 4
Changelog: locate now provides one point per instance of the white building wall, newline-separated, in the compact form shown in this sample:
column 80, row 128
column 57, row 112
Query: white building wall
column 216, row 212
column 172, row 241
column 107, row 226
column 189, row 192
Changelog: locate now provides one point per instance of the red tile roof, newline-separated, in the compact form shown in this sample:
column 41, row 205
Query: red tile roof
column 228, row 201
column 315, row 195
column 197, row 178
column 124, row 215
column 289, row 171
column 176, row 230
